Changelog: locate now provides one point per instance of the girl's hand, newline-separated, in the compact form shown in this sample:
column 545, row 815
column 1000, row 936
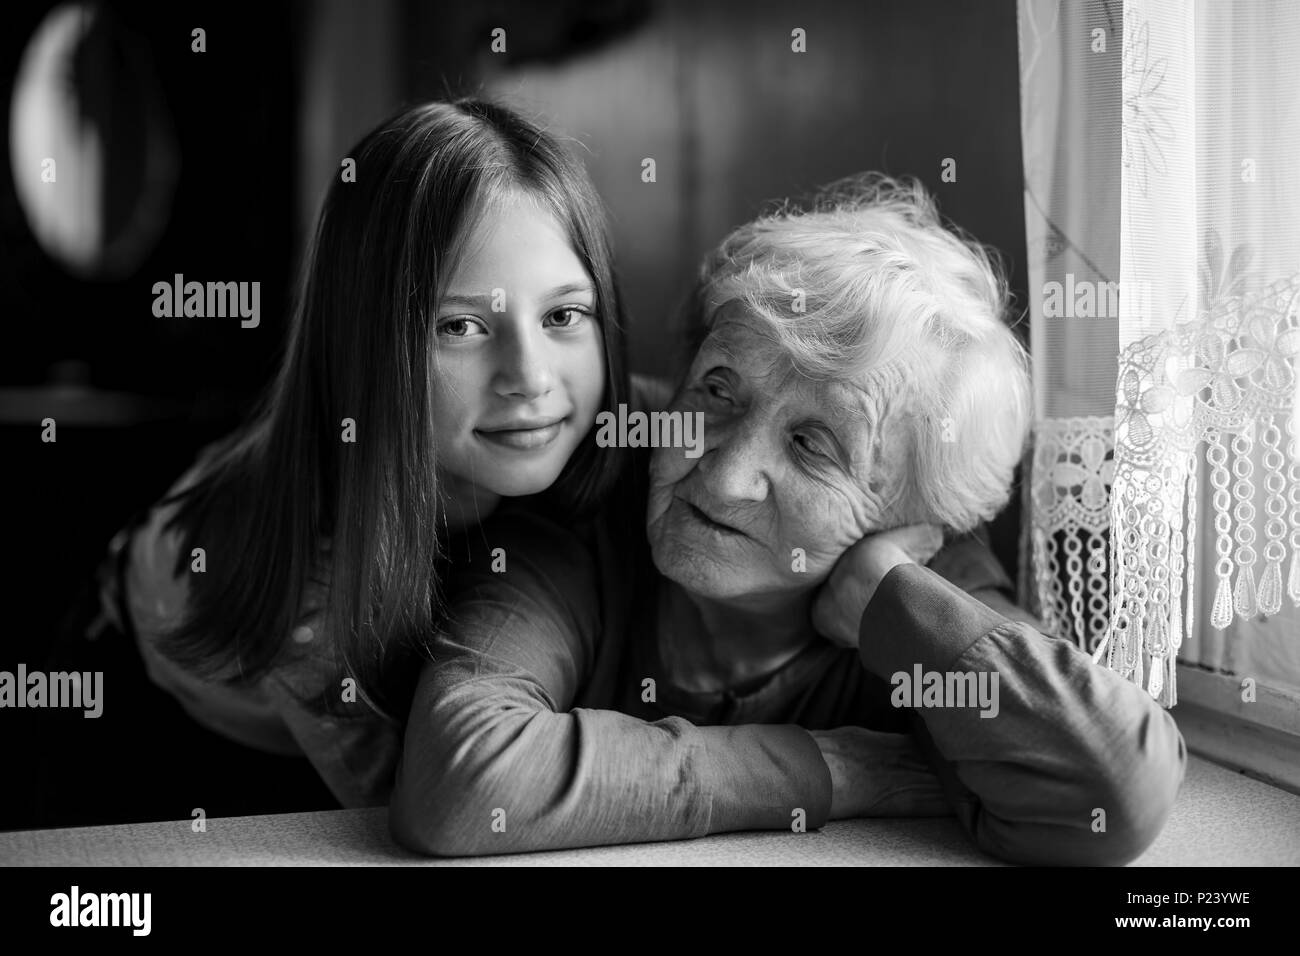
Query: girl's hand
column 839, row 605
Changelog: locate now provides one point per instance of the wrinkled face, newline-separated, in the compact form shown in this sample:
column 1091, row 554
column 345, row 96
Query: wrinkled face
column 788, row 464
column 519, row 363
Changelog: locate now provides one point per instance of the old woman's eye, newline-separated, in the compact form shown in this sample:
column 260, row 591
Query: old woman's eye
column 715, row 388
column 812, row 445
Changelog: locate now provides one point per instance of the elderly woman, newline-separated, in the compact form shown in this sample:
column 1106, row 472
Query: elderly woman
column 697, row 675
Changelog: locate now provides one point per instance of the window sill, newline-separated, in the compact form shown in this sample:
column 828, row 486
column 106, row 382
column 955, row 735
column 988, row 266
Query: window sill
column 1260, row 738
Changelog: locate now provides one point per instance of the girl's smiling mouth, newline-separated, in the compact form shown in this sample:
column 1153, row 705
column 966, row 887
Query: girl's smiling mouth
column 524, row 434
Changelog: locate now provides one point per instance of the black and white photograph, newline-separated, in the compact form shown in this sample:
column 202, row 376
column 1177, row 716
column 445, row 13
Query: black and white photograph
column 652, row 433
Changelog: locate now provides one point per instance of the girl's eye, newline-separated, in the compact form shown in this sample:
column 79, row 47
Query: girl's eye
column 461, row 328
column 566, row 318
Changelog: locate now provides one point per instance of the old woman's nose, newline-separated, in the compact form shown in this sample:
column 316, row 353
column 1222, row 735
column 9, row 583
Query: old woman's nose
column 734, row 464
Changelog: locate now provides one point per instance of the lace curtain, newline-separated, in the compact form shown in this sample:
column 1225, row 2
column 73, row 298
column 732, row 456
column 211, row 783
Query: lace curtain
column 1162, row 209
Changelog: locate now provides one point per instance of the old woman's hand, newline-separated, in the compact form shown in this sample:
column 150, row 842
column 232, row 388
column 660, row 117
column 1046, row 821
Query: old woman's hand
column 875, row 774
column 839, row 605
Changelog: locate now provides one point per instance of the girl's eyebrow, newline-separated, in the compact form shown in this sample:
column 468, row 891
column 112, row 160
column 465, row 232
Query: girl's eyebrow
column 572, row 288
column 463, row 299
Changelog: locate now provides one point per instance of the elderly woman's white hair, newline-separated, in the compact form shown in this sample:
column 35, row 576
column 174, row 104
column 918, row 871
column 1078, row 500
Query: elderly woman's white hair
column 867, row 284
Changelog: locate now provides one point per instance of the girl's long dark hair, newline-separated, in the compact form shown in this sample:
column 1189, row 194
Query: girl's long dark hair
column 285, row 502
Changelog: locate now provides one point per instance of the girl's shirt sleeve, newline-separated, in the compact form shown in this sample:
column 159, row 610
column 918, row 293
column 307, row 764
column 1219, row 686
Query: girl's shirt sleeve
column 500, row 758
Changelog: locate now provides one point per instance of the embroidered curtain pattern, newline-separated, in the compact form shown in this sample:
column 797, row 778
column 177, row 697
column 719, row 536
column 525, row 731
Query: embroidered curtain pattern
column 1162, row 207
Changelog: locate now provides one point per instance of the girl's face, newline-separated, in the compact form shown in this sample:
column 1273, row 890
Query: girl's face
column 519, row 360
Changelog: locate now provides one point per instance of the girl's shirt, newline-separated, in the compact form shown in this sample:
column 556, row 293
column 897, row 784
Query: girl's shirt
column 354, row 754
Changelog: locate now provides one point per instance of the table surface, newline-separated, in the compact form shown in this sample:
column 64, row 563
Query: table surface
column 1221, row 818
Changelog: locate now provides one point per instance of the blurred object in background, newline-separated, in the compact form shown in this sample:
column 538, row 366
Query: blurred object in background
column 88, row 113
column 72, row 401
column 166, row 160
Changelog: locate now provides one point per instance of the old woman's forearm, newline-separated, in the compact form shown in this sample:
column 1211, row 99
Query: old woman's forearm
column 1047, row 758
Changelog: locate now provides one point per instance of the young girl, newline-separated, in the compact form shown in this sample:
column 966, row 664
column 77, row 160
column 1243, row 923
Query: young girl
column 456, row 332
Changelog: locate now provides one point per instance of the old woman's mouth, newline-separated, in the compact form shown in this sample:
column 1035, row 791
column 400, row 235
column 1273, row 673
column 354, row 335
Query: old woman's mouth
column 712, row 524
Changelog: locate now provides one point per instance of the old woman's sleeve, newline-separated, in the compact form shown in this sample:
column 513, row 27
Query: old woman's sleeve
column 1056, row 760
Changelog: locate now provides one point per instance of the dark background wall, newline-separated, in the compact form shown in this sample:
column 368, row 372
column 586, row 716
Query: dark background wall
column 733, row 118
column 259, row 122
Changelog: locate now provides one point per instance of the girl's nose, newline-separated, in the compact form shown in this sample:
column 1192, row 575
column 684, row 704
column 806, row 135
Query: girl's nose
column 525, row 369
